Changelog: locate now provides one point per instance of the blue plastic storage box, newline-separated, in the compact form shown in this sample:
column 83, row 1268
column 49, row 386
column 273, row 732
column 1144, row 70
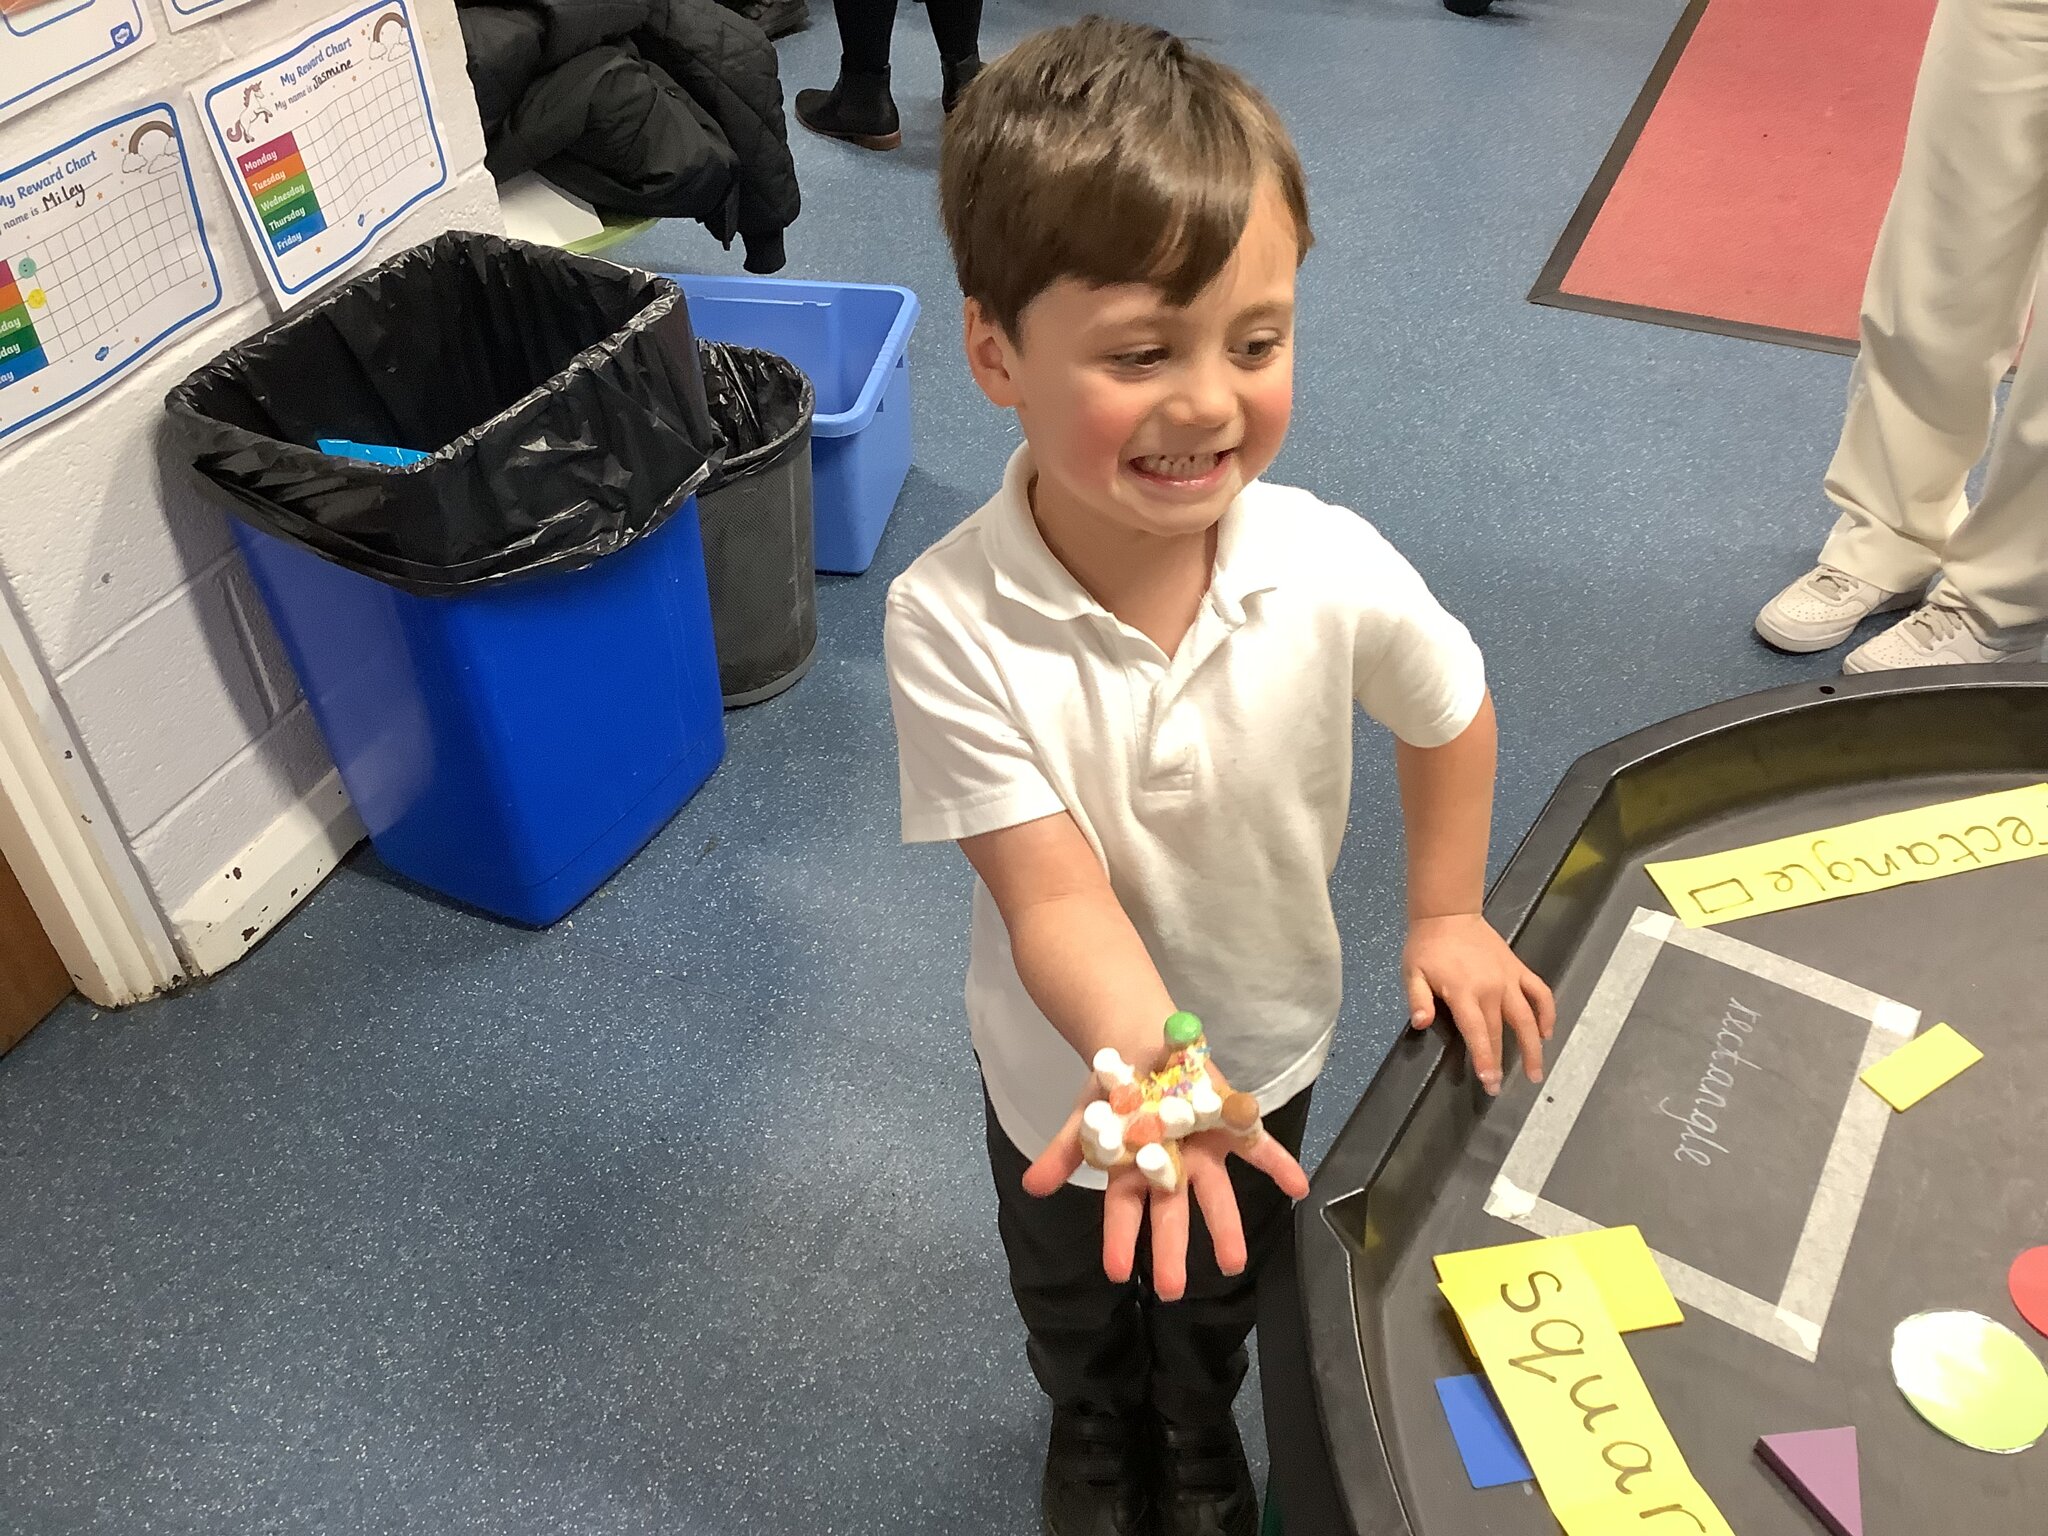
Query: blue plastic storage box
column 852, row 339
column 511, row 747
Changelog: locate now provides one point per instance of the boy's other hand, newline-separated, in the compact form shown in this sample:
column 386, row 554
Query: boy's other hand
column 1203, row 1157
column 1486, row 987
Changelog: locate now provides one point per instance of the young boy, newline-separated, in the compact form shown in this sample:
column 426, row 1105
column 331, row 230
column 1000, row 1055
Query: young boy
column 1125, row 688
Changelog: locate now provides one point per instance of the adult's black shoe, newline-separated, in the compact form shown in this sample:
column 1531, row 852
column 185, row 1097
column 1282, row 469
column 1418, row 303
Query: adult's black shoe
column 957, row 74
column 858, row 109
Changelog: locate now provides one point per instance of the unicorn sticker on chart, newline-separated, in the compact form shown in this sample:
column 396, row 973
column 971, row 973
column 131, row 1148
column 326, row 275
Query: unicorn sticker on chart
column 253, row 115
column 151, row 148
column 390, row 37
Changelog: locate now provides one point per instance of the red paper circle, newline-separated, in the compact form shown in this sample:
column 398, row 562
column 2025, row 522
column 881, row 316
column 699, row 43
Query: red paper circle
column 2029, row 1282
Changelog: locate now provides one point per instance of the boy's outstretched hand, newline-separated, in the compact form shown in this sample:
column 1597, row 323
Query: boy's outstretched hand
column 1203, row 1156
column 1486, row 987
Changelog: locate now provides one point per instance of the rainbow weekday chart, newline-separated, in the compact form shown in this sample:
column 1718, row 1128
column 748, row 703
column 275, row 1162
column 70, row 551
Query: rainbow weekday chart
column 103, row 259
column 326, row 143
column 276, row 178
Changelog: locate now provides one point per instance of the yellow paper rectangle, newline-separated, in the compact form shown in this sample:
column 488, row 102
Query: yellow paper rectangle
column 1600, row 1450
column 1921, row 1065
column 1872, row 855
column 1631, row 1286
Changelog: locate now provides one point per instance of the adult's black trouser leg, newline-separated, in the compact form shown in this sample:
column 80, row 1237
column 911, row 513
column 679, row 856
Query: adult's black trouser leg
column 865, row 27
column 956, row 28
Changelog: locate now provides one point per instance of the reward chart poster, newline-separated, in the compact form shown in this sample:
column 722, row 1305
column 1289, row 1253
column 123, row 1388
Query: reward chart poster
column 326, row 142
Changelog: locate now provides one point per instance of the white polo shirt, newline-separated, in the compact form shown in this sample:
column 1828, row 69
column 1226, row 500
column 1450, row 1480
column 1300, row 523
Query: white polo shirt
column 1214, row 785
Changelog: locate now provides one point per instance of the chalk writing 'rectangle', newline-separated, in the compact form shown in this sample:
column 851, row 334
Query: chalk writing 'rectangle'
column 1694, row 1143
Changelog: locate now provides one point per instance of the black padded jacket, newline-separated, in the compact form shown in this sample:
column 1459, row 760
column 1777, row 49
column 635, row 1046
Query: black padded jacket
column 662, row 108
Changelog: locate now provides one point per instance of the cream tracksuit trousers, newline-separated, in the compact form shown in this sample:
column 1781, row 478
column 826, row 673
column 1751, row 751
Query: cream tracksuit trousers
column 1951, row 283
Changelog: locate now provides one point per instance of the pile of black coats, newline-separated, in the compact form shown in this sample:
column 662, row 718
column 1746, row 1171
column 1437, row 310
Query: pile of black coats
column 650, row 108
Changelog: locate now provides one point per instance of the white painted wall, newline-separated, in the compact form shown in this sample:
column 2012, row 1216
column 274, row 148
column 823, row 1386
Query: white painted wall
column 138, row 611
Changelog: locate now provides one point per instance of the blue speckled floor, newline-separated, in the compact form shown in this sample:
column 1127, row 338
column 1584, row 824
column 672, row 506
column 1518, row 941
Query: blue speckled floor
column 673, row 1219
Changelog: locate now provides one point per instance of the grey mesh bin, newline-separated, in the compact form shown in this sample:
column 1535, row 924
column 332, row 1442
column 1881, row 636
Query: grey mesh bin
column 756, row 517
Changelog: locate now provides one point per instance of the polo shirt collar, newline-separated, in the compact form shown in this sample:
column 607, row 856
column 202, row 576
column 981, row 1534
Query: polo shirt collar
column 1028, row 572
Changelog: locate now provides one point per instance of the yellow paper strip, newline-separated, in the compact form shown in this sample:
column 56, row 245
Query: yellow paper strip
column 1872, row 855
column 1921, row 1065
column 1600, row 1450
column 1632, row 1288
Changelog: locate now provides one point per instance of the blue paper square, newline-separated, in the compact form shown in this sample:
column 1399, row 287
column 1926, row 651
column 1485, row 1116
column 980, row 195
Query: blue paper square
column 1484, row 1440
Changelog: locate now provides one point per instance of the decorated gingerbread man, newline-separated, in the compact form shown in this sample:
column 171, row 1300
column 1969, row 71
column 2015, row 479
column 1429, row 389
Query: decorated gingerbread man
column 1140, row 1120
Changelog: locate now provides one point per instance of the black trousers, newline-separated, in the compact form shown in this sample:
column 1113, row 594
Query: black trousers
column 865, row 25
column 1108, row 1347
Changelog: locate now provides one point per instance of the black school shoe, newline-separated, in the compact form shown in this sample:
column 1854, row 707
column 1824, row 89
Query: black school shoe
column 1096, row 1476
column 1203, row 1483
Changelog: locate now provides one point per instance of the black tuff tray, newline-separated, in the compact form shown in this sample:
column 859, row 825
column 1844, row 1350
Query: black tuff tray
column 1353, row 1331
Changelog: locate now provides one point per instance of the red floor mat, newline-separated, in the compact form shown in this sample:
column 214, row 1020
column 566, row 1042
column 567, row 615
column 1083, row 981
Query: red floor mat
column 1744, row 192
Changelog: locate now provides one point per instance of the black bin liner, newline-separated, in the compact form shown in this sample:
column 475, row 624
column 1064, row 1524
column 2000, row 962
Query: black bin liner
column 558, row 397
column 756, row 515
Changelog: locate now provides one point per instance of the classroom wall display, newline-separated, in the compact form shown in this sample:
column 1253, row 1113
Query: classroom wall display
column 47, row 46
column 326, row 142
column 1691, row 1093
column 103, row 259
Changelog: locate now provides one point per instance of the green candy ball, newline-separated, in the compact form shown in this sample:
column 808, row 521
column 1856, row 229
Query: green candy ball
column 1183, row 1029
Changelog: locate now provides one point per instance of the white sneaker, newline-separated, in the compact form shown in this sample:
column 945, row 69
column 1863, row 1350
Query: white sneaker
column 1822, row 609
column 1940, row 633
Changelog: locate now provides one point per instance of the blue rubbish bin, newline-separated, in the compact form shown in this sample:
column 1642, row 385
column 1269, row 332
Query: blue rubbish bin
column 853, row 341
column 504, row 634
column 492, row 747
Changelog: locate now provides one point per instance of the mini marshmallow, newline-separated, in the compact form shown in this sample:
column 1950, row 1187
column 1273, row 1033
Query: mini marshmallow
column 1160, row 1163
column 1112, row 1071
column 1176, row 1117
column 1102, row 1134
column 1207, row 1104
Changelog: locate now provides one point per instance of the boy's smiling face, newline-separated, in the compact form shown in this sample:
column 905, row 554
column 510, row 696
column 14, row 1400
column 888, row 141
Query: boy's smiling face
column 1143, row 416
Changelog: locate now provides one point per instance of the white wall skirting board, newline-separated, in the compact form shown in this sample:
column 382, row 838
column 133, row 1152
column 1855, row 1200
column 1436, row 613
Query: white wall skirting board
column 61, row 841
column 258, row 888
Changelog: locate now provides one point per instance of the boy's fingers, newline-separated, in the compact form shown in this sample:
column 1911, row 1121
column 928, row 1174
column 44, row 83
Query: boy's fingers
column 1517, row 1015
column 1169, row 1244
column 1483, row 1042
column 1279, row 1165
column 1057, row 1162
column 1219, row 1209
column 1539, row 994
column 1123, row 1211
column 1421, row 1001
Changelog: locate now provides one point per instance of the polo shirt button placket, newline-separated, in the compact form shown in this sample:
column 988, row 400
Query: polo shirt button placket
column 1170, row 761
column 1172, row 766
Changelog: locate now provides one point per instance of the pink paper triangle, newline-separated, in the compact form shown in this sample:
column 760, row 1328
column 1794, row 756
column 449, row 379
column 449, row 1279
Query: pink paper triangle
column 1820, row 1465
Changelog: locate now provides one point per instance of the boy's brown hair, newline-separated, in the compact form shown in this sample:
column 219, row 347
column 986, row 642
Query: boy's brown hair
column 1107, row 152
